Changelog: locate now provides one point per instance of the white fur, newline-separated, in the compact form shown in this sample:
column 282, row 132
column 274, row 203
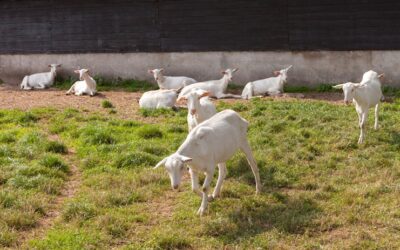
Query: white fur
column 212, row 142
column 40, row 80
column 270, row 86
column 200, row 107
column 365, row 95
column 216, row 88
column 86, row 85
column 162, row 98
column 170, row 82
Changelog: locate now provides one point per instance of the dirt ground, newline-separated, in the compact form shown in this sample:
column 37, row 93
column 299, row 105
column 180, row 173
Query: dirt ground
column 126, row 103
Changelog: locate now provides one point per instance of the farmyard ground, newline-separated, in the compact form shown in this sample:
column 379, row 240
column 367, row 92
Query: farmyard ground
column 75, row 175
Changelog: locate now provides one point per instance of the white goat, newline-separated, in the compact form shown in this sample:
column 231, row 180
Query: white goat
column 161, row 98
column 365, row 95
column 86, row 85
column 170, row 82
column 270, row 86
column 216, row 88
column 40, row 80
column 200, row 108
column 212, row 142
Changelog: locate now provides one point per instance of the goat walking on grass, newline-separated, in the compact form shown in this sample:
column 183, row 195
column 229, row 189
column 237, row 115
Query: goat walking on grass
column 200, row 108
column 212, row 142
column 365, row 95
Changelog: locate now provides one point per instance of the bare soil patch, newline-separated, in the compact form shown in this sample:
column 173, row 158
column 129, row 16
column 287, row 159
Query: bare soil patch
column 125, row 103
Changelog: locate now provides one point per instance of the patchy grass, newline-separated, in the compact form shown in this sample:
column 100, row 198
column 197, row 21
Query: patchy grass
column 30, row 178
column 320, row 188
column 131, row 85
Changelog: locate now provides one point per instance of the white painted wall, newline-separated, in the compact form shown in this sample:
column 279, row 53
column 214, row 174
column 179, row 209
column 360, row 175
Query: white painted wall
column 309, row 68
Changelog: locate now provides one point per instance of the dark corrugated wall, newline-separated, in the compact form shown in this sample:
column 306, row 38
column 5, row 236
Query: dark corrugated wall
column 50, row 26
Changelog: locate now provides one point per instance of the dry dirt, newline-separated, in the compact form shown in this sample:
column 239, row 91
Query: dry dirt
column 126, row 103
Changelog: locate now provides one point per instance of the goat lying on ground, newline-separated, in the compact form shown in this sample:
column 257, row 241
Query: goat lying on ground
column 162, row 98
column 86, row 85
column 200, row 108
column 365, row 95
column 40, row 80
column 212, row 142
column 170, row 82
column 270, row 86
column 216, row 88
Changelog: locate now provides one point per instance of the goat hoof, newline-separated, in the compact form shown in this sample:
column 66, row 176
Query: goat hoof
column 201, row 211
column 211, row 197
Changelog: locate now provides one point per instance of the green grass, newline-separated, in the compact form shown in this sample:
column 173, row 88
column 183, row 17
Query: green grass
column 30, row 178
column 131, row 85
column 320, row 188
column 107, row 104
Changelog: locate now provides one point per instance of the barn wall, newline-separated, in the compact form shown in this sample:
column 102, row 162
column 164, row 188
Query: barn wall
column 326, row 41
column 309, row 68
column 75, row 26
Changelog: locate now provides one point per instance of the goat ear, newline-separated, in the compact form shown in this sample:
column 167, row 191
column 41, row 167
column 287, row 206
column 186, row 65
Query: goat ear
column 205, row 93
column 235, row 69
column 150, row 71
column 77, row 71
column 162, row 162
column 276, row 73
column 182, row 98
column 381, row 76
column 223, row 72
column 202, row 132
column 49, row 65
column 339, row 86
column 289, row 67
column 59, row 65
column 186, row 159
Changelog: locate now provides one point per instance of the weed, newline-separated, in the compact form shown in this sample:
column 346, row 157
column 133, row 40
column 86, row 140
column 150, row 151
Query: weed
column 107, row 104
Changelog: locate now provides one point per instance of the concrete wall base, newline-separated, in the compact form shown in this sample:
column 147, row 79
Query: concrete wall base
column 309, row 68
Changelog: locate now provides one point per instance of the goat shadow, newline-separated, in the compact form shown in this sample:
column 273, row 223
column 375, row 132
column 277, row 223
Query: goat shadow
column 255, row 215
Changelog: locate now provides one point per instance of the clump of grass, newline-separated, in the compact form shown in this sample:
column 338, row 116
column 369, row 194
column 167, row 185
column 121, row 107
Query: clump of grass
column 134, row 160
column 148, row 132
column 56, row 147
column 98, row 135
column 8, row 236
column 69, row 239
column 169, row 241
column 81, row 210
column 7, row 138
column 112, row 111
column 51, row 161
column 107, row 104
column 156, row 112
column 324, row 88
column 27, row 117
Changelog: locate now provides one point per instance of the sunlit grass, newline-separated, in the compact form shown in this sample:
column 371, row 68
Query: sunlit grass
column 320, row 188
